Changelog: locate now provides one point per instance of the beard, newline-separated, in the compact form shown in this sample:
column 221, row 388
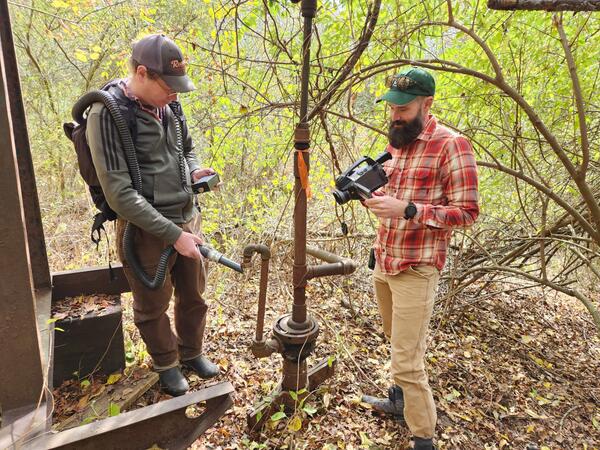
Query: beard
column 402, row 133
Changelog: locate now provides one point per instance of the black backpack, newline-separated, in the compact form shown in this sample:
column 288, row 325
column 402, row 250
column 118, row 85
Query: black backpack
column 76, row 133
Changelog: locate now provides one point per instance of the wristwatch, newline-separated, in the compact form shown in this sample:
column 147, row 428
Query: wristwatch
column 410, row 211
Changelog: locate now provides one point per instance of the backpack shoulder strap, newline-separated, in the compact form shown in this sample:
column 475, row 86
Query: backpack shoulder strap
column 127, row 106
column 177, row 111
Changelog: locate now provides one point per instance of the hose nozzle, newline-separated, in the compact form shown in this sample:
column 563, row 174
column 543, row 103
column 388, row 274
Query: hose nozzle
column 212, row 255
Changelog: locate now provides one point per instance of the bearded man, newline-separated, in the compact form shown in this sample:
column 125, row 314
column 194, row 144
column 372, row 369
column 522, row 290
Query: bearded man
column 432, row 189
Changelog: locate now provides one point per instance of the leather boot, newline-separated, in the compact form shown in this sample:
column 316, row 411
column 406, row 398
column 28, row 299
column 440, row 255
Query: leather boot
column 173, row 382
column 202, row 366
column 393, row 405
column 423, row 444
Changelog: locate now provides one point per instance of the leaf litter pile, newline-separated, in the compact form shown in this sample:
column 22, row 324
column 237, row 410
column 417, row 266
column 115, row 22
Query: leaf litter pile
column 508, row 370
column 78, row 307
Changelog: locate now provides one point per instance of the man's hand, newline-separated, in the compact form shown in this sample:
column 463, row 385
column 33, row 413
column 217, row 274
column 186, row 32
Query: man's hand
column 186, row 245
column 384, row 206
column 199, row 173
column 377, row 193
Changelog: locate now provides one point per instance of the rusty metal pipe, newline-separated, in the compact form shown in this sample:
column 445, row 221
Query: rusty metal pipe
column 260, row 347
column 337, row 265
column 263, row 250
column 325, row 270
column 302, row 144
column 265, row 254
column 329, row 257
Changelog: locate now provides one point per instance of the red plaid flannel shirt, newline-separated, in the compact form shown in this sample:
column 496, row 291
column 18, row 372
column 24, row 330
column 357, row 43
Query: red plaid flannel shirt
column 438, row 173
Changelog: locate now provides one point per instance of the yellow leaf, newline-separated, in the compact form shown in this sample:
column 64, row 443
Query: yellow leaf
column 535, row 415
column 113, row 378
column 364, row 439
column 530, row 428
column 465, row 417
column 80, row 56
column 295, row 424
column 94, row 56
column 526, row 339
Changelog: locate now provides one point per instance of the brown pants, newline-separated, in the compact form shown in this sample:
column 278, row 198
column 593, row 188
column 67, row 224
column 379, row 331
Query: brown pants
column 406, row 304
column 187, row 277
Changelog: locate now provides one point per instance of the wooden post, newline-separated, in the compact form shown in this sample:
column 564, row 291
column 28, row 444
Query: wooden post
column 21, row 376
column 35, row 233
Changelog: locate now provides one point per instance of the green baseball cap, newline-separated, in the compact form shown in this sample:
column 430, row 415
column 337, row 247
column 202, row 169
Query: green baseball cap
column 409, row 84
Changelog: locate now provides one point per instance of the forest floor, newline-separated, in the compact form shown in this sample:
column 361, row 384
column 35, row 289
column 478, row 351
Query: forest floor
column 509, row 370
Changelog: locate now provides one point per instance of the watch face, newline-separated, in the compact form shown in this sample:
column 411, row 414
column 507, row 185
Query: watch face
column 410, row 211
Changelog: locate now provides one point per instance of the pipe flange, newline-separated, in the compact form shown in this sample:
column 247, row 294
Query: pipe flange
column 289, row 332
column 296, row 344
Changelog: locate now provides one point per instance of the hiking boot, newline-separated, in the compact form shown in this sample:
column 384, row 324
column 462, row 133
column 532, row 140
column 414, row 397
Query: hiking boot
column 393, row 405
column 202, row 366
column 423, row 444
column 173, row 382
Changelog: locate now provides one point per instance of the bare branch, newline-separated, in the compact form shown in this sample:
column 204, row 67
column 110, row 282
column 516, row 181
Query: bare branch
column 585, row 144
column 546, row 5
column 368, row 29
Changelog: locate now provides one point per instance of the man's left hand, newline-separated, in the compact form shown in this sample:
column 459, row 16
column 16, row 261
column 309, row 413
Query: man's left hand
column 199, row 173
column 385, row 206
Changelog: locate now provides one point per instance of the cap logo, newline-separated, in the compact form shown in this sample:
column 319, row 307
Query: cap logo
column 402, row 83
column 177, row 65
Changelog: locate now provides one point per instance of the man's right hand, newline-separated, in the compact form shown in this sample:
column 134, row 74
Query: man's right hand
column 186, row 245
column 377, row 193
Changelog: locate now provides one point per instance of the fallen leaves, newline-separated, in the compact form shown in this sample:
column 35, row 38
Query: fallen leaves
column 505, row 372
column 80, row 306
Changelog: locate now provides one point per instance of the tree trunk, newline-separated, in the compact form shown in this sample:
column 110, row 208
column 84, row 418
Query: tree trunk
column 546, row 5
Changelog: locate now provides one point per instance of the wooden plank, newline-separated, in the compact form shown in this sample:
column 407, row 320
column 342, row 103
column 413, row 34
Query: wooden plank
column 546, row 5
column 21, row 425
column 124, row 394
column 87, row 281
column 164, row 424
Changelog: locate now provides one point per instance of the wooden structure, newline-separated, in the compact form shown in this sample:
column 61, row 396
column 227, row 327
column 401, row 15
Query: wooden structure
column 26, row 290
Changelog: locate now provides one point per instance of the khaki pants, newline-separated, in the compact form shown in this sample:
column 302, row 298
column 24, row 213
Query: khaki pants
column 406, row 304
column 185, row 276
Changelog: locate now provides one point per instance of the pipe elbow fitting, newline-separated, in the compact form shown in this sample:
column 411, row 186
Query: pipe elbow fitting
column 249, row 250
column 264, row 348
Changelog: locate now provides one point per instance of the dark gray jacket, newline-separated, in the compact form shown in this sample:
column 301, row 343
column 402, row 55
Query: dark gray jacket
column 164, row 202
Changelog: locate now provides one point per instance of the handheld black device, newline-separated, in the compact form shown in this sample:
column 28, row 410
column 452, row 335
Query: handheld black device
column 205, row 184
column 362, row 178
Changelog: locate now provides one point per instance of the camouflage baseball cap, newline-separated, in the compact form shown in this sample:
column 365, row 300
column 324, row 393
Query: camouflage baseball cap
column 161, row 55
column 409, row 84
